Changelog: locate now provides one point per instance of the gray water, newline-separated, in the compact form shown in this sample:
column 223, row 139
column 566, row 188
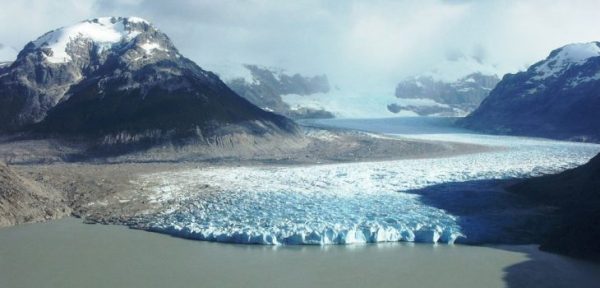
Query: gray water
column 67, row 253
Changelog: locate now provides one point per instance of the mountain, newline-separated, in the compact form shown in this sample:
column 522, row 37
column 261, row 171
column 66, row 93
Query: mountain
column 7, row 54
column 265, row 87
column 426, row 95
column 23, row 200
column 4, row 66
column 576, row 193
column 123, row 80
column 558, row 97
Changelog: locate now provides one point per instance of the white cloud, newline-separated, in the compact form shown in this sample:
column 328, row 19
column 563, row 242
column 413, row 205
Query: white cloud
column 368, row 45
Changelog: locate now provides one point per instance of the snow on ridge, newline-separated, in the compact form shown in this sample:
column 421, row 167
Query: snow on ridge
column 104, row 31
column 580, row 80
column 565, row 57
column 134, row 19
column 149, row 47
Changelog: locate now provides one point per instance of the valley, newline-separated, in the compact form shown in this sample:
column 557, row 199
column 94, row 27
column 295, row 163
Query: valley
column 299, row 144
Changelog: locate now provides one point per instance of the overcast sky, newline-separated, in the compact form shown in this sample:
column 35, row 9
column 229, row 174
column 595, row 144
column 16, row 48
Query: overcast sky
column 354, row 42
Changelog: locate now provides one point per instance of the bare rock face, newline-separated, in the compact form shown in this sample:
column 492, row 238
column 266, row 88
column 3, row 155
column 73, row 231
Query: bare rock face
column 121, row 76
column 426, row 96
column 23, row 200
column 267, row 85
column 558, row 97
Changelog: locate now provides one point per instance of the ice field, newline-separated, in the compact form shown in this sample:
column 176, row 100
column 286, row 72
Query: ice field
column 346, row 203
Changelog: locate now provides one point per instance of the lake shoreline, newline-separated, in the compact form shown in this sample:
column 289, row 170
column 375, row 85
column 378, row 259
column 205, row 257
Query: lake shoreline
column 68, row 253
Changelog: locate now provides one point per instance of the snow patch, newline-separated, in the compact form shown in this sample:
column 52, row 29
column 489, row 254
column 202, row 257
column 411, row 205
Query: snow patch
column 149, row 47
column 138, row 20
column 565, row 57
column 104, row 32
column 580, row 80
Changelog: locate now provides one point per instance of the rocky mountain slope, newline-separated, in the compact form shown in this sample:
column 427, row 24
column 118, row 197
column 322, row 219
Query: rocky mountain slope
column 576, row 193
column 265, row 88
column 426, row 95
column 23, row 200
column 123, row 81
column 558, row 97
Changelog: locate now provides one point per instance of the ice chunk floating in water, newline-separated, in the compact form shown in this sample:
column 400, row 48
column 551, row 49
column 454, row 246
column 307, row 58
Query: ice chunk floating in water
column 341, row 203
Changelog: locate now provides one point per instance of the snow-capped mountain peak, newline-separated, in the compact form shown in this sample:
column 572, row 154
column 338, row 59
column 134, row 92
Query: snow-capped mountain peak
column 113, row 75
column 557, row 97
column 565, row 57
column 103, row 32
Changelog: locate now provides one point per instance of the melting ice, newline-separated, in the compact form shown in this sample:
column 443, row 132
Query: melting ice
column 344, row 203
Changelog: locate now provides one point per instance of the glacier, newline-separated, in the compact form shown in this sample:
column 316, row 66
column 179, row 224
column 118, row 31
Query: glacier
column 346, row 203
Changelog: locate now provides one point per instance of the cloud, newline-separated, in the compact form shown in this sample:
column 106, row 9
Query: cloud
column 366, row 45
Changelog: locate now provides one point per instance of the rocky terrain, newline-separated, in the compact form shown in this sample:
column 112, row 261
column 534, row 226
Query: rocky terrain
column 85, row 107
column 558, row 97
column 105, row 190
column 426, row 95
column 23, row 200
column 575, row 195
column 266, row 87
column 121, row 81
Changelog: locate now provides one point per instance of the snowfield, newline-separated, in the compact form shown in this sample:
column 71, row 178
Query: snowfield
column 104, row 32
column 344, row 203
column 565, row 57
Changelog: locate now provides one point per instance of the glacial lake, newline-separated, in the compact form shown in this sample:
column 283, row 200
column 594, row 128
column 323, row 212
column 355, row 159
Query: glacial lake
column 68, row 253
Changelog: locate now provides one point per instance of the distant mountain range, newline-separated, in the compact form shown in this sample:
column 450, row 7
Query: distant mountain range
column 426, row 96
column 558, row 97
column 266, row 86
column 122, row 80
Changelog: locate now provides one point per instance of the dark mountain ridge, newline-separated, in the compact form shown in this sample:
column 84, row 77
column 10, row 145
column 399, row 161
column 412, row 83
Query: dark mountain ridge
column 123, row 80
column 576, row 194
column 558, row 97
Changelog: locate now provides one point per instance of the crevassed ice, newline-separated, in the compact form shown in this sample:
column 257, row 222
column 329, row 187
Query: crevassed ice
column 343, row 203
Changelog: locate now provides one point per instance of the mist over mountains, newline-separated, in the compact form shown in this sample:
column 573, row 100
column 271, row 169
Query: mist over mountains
column 265, row 87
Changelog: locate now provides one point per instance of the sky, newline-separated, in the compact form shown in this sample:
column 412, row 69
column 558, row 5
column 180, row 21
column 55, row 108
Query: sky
column 367, row 45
